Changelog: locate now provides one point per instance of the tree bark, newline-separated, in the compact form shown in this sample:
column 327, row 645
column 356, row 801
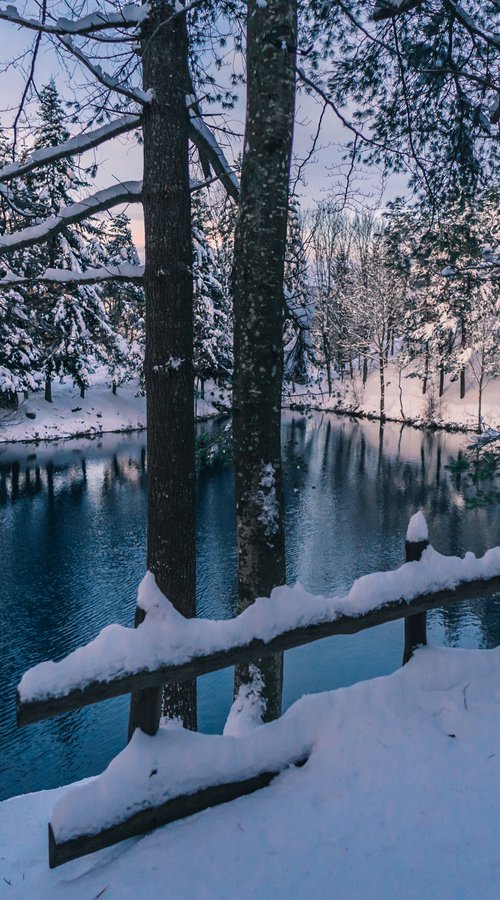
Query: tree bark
column 169, row 336
column 259, row 255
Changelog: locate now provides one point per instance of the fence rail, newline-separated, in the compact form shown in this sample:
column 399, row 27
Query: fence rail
column 34, row 711
column 144, row 683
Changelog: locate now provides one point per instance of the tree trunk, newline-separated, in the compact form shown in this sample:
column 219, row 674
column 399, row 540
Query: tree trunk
column 463, row 342
column 441, row 380
column 259, row 254
column 82, row 392
column 426, row 370
column 480, row 386
column 365, row 369
column 169, row 339
column 48, row 387
column 381, row 369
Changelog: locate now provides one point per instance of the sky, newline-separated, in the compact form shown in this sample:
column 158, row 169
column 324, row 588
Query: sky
column 121, row 159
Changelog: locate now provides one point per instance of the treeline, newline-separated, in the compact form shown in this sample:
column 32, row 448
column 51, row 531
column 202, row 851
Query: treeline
column 416, row 287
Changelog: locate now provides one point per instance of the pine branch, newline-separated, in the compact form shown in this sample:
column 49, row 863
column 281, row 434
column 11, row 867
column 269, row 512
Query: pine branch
column 74, row 146
column 127, row 192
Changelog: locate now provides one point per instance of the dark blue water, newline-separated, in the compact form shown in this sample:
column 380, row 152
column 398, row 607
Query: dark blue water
column 72, row 550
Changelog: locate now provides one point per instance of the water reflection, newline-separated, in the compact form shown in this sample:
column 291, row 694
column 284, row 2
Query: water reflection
column 72, row 524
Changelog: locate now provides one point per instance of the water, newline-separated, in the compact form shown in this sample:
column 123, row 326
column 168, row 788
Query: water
column 72, row 547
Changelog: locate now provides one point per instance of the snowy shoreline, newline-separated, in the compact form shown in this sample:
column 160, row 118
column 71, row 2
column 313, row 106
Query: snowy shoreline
column 100, row 412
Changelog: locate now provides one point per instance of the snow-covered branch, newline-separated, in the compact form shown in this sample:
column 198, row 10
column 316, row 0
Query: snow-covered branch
column 124, row 272
column 126, row 192
column 208, row 146
column 129, row 16
column 389, row 9
column 109, row 81
column 75, row 145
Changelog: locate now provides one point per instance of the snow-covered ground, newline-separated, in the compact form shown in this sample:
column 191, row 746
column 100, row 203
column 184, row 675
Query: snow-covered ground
column 399, row 799
column 420, row 409
column 100, row 411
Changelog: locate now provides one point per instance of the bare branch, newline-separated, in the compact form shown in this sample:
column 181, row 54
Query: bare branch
column 127, row 192
column 129, row 17
column 74, row 146
column 109, row 81
column 124, row 272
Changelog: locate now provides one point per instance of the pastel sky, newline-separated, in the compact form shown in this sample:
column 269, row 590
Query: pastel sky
column 121, row 159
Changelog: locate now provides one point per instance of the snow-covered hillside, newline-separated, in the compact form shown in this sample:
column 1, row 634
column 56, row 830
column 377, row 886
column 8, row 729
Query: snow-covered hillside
column 100, row 411
column 404, row 400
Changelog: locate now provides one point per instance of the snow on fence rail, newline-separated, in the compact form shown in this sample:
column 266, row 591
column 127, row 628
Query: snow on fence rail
column 166, row 647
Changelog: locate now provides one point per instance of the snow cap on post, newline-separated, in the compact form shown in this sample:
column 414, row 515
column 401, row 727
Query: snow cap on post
column 417, row 529
column 417, row 537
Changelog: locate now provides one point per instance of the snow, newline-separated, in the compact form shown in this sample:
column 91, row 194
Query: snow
column 75, row 145
column 268, row 501
column 399, row 799
column 119, row 193
column 130, row 14
column 419, row 409
column 124, row 272
column 417, row 528
column 166, row 638
column 99, row 412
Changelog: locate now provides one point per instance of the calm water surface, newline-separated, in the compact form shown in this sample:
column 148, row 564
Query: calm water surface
column 72, row 550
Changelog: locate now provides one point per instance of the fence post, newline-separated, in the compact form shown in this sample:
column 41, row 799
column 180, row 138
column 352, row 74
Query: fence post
column 417, row 539
column 145, row 705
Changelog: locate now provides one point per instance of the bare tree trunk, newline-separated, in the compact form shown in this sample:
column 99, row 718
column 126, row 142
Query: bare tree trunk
column 259, row 254
column 463, row 342
column 381, row 369
column 480, row 386
column 48, row 386
column 426, row 370
column 169, row 338
column 441, row 380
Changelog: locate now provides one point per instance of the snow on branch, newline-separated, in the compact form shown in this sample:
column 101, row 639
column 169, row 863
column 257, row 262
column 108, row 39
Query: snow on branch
column 129, row 16
column 75, row 145
column 126, row 192
column 389, row 9
column 109, row 81
column 208, row 146
column 124, row 272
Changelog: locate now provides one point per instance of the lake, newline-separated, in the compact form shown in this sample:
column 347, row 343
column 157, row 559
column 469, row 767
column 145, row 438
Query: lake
column 73, row 544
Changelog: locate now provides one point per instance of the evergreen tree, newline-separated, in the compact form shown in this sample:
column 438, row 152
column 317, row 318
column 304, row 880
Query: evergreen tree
column 297, row 339
column 212, row 330
column 123, row 302
column 75, row 328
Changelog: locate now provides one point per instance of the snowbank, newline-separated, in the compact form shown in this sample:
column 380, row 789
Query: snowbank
column 100, row 411
column 423, row 410
column 399, row 798
column 167, row 638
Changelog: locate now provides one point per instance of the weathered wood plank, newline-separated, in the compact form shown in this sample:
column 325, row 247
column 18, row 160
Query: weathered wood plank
column 96, row 691
column 148, row 819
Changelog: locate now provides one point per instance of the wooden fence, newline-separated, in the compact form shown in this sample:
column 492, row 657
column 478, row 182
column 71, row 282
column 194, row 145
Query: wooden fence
column 144, row 683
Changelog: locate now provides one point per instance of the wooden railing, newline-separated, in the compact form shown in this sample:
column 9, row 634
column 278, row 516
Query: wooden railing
column 134, row 823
